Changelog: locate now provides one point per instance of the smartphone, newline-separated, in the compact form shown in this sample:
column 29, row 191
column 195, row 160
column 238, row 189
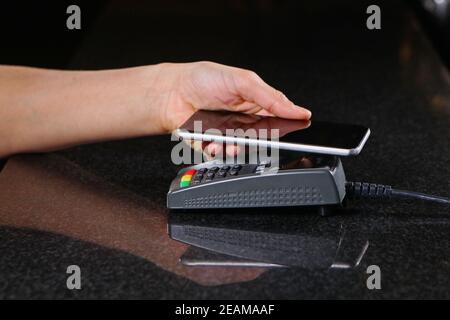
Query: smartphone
column 272, row 132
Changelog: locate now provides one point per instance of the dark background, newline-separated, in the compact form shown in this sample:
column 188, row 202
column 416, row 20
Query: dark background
column 34, row 33
column 321, row 55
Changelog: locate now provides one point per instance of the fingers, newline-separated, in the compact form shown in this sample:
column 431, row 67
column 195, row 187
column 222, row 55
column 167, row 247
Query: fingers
column 212, row 149
column 252, row 88
column 215, row 149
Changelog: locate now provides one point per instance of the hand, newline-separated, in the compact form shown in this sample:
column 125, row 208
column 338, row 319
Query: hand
column 210, row 86
column 43, row 110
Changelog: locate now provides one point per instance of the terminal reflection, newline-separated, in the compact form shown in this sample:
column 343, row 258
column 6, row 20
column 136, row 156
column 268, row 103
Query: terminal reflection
column 272, row 237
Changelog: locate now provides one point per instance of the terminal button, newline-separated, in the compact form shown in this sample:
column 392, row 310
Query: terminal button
column 210, row 174
column 186, row 178
column 190, row 172
column 184, row 184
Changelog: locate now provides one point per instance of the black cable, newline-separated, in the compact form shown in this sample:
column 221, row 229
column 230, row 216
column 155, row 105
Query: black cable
column 418, row 195
column 379, row 191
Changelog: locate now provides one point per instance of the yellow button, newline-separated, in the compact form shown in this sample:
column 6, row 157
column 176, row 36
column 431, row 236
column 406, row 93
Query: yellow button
column 186, row 178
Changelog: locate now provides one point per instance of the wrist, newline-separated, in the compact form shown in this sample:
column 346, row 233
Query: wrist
column 162, row 94
column 145, row 117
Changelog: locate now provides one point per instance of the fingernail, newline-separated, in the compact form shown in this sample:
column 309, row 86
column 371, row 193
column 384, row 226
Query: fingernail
column 306, row 111
column 309, row 113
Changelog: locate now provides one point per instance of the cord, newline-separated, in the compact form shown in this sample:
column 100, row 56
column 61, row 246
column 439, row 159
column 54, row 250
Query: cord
column 357, row 190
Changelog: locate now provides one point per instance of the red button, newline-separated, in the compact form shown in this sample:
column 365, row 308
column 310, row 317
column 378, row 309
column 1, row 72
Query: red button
column 190, row 172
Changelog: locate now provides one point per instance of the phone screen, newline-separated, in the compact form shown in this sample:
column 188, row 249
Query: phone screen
column 292, row 132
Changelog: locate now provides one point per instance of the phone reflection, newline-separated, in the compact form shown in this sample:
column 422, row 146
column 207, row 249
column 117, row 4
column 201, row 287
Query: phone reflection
column 213, row 129
column 224, row 120
column 300, row 238
column 266, row 237
column 241, row 125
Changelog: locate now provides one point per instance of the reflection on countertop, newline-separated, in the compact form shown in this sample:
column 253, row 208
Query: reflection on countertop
column 51, row 194
column 300, row 238
column 264, row 236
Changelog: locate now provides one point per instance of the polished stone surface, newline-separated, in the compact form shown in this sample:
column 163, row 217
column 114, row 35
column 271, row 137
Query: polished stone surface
column 102, row 206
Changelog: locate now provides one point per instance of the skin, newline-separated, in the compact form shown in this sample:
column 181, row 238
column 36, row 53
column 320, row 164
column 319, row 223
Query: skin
column 43, row 110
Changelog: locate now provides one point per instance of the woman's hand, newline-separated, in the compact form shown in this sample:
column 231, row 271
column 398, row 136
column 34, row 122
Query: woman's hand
column 186, row 88
column 43, row 110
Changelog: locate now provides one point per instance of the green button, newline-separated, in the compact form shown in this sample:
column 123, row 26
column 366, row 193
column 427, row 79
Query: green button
column 184, row 184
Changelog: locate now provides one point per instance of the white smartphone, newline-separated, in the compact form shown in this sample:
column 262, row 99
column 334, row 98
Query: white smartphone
column 295, row 135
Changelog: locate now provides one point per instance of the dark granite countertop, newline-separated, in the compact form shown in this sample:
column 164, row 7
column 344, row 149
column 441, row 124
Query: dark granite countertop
column 102, row 206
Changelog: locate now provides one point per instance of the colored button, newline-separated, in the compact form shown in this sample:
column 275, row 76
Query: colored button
column 186, row 178
column 184, row 184
column 190, row 172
